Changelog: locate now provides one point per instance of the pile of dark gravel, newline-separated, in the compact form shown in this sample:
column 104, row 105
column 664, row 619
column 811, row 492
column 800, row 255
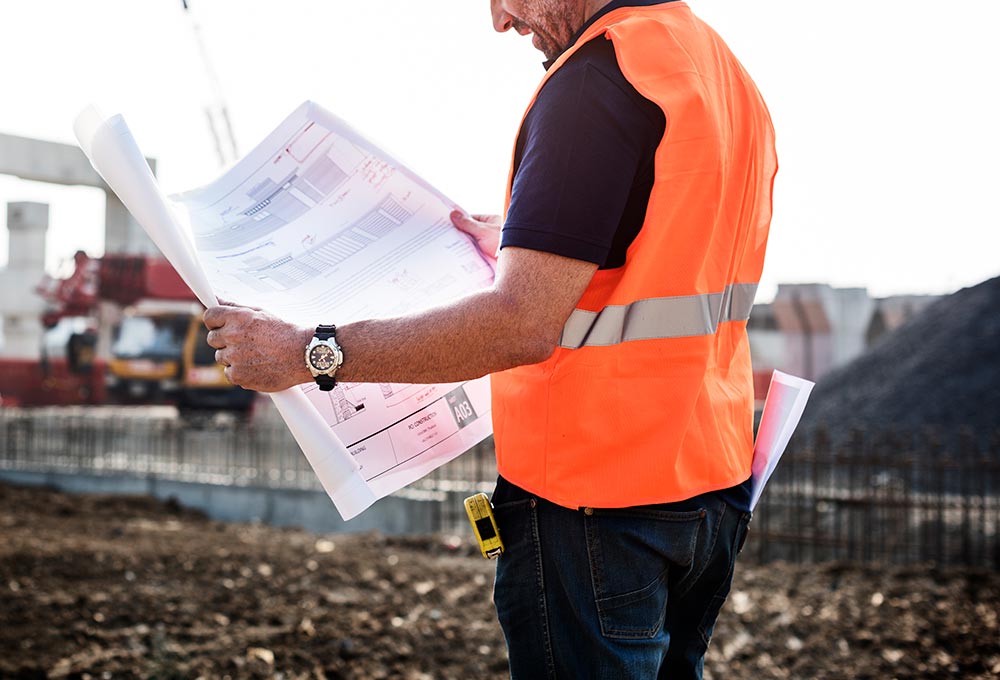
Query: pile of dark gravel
column 941, row 368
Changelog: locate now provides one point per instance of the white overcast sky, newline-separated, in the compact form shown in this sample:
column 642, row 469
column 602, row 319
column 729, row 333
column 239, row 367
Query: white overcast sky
column 886, row 112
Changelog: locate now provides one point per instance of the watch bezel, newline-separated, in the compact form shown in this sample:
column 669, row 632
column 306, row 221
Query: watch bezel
column 338, row 356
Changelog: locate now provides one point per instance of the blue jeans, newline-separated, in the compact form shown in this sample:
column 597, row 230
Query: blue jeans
column 617, row 594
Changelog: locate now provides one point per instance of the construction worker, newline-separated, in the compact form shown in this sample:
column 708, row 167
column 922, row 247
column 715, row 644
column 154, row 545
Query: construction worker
column 636, row 221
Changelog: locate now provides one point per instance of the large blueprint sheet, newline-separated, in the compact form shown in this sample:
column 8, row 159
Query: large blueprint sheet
column 318, row 225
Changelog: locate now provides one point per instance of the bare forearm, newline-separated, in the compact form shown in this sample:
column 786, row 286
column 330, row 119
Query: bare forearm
column 515, row 322
column 471, row 337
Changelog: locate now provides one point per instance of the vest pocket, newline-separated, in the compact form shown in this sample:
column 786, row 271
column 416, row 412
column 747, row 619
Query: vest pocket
column 632, row 554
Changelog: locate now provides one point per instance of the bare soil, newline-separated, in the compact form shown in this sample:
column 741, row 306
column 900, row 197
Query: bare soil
column 127, row 587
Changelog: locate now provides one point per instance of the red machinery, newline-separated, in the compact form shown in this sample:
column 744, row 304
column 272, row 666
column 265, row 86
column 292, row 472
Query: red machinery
column 78, row 375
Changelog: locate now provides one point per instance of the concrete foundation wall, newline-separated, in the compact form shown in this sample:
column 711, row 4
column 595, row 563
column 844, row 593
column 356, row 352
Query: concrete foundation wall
column 311, row 510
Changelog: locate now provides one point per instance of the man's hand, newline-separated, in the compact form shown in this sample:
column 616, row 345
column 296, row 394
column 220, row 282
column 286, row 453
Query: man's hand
column 484, row 228
column 260, row 351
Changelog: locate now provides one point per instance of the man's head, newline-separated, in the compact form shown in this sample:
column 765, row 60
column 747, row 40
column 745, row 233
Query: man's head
column 553, row 22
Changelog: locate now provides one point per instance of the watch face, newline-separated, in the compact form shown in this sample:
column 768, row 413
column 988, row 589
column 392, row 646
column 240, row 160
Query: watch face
column 322, row 357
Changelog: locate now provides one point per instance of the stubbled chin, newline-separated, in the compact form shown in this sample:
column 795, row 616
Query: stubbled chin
column 544, row 47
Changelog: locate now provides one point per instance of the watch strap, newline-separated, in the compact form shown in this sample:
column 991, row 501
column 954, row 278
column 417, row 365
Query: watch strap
column 325, row 332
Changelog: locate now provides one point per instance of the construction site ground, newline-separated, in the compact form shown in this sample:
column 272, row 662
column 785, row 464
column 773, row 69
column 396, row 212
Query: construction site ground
column 126, row 587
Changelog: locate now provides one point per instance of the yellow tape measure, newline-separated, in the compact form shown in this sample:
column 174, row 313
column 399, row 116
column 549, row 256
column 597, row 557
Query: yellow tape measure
column 484, row 525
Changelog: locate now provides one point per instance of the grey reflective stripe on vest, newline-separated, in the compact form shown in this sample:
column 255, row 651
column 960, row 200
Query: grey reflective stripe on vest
column 665, row 317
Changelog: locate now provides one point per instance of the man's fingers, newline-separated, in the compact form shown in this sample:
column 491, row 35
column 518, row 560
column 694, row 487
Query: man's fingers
column 214, row 339
column 215, row 317
column 485, row 229
column 476, row 225
column 490, row 220
column 464, row 222
column 218, row 316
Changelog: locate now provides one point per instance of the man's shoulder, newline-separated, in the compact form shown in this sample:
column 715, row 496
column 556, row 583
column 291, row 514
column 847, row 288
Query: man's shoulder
column 591, row 77
column 597, row 54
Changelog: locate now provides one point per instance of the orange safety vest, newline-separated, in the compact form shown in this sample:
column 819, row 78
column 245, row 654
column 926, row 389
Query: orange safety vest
column 649, row 396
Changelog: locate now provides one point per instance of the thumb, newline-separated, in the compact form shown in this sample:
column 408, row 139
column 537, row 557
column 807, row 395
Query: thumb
column 488, row 220
column 467, row 223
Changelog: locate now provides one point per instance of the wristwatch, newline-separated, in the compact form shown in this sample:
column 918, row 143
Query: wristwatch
column 324, row 357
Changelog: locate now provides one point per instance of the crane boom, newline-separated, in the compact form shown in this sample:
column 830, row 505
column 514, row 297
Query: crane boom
column 216, row 112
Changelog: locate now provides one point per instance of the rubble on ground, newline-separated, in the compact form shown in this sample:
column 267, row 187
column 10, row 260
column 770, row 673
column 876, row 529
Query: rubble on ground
column 128, row 587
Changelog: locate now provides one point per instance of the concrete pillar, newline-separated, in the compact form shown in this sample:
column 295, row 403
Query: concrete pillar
column 109, row 316
column 21, row 306
column 122, row 234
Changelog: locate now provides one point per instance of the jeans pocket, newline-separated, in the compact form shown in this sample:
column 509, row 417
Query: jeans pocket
column 514, row 523
column 631, row 553
column 722, row 572
column 517, row 565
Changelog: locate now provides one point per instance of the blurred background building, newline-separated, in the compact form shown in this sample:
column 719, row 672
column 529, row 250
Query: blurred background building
column 810, row 329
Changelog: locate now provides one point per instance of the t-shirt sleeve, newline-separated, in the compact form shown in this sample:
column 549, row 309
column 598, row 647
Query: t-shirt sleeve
column 584, row 141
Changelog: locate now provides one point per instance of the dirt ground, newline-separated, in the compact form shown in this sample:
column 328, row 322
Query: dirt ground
column 123, row 587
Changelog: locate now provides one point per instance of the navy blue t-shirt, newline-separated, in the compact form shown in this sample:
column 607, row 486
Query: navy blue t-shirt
column 584, row 162
column 583, row 165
